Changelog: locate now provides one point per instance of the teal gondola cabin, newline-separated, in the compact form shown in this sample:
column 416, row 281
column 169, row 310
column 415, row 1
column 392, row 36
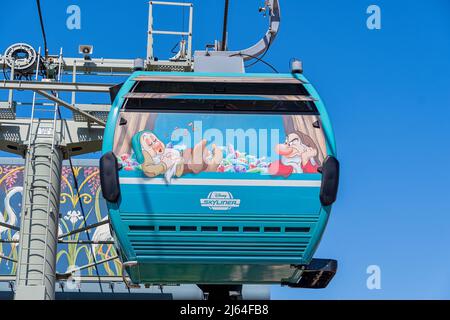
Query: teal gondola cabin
column 220, row 178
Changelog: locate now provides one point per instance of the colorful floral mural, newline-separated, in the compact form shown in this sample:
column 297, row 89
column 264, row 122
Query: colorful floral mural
column 72, row 206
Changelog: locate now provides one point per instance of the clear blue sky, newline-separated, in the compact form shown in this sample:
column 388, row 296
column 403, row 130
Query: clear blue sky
column 388, row 95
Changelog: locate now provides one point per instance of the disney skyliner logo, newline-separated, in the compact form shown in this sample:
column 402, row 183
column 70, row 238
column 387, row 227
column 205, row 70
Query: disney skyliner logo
column 220, row 200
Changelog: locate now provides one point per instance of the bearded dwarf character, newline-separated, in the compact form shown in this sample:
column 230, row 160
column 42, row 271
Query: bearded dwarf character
column 157, row 159
column 298, row 155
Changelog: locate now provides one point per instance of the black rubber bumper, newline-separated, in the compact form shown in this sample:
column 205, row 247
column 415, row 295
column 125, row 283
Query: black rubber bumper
column 109, row 177
column 330, row 181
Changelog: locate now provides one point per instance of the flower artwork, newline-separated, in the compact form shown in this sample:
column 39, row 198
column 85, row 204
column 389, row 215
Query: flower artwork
column 72, row 205
column 73, row 216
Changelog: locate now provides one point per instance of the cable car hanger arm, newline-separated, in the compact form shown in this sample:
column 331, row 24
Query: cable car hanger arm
column 273, row 10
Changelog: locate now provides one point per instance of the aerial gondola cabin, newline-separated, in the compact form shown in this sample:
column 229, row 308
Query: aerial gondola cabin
column 220, row 178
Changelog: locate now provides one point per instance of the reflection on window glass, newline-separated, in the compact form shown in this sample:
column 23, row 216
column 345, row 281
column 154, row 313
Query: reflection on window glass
column 171, row 145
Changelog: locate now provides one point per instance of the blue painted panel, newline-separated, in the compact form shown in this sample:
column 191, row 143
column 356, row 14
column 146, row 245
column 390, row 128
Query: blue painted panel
column 175, row 199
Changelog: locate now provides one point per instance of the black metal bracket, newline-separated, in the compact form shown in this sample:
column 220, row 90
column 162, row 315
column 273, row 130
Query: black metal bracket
column 317, row 275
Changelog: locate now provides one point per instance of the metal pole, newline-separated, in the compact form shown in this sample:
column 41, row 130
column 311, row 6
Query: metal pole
column 94, row 225
column 191, row 18
column 87, row 266
column 74, row 80
column 5, row 225
column 225, row 26
column 7, row 258
column 150, row 34
column 36, row 268
column 11, row 92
